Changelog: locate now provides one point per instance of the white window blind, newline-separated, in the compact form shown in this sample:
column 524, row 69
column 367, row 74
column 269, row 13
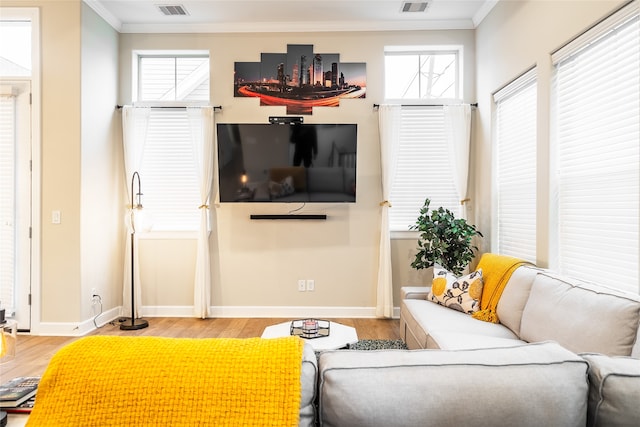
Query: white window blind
column 516, row 168
column 423, row 169
column 169, row 181
column 7, row 203
column 597, row 153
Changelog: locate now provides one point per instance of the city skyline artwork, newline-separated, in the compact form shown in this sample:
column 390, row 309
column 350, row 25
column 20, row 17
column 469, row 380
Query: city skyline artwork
column 300, row 79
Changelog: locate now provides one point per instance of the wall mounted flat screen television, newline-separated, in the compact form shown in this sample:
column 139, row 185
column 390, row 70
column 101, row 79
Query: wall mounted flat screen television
column 309, row 163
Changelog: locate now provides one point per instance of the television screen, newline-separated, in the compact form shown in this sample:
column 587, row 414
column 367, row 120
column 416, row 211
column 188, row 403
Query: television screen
column 312, row 163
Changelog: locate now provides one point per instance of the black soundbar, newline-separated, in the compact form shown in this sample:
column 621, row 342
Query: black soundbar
column 289, row 216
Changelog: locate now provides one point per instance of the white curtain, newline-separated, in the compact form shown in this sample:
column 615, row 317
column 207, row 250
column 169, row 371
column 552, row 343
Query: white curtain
column 134, row 130
column 389, row 130
column 457, row 125
column 202, row 136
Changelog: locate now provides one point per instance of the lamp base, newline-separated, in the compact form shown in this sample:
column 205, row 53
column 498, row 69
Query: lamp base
column 133, row 324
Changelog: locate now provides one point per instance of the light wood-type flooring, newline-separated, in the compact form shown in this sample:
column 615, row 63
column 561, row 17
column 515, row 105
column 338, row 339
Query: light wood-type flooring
column 34, row 352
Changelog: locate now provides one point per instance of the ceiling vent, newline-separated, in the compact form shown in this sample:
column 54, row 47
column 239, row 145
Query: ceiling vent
column 414, row 6
column 173, row 10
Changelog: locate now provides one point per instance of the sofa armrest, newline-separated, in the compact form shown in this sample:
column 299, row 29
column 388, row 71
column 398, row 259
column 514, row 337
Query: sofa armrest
column 614, row 390
column 414, row 292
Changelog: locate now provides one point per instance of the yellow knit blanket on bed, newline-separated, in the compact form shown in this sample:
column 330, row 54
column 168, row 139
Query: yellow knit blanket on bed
column 496, row 272
column 150, row 381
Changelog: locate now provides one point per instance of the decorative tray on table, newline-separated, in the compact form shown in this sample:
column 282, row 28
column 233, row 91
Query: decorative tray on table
column 310, row 328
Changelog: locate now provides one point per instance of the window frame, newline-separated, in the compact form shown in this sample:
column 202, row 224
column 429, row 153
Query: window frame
column 137, row 57
column 527, row 81
column 567, row 54
column 457, row 50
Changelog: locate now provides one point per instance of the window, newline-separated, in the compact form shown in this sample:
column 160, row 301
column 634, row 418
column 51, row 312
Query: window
column 515, row 162
column 422, row 74
column 15, row 57
column 596, row 153
column 173, row 78
column 423, row 167
column 412, row 75
column 170, row 184
column 168, row 172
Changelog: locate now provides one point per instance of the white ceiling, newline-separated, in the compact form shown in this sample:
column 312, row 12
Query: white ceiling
column 144, row 16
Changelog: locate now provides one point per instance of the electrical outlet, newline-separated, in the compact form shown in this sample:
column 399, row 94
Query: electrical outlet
column 311, row 285
column 95, row 297
column 302, row 286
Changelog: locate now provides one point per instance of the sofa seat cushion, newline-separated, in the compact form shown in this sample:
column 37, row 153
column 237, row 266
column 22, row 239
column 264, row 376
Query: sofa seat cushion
column 424, row 317
column 580, row 316
column 614, row 391
column 463, row 341
column 529, row 385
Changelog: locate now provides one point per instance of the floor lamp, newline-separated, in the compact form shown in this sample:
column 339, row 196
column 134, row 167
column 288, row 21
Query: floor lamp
column 133, row 323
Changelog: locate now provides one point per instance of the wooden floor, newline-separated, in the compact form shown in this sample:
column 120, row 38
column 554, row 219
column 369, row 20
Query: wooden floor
column 34, row 352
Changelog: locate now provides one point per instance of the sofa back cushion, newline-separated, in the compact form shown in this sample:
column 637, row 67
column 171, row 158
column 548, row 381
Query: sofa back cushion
column 308, row 378
column 514, row 297
column 581, row 317
column 635, row 351
column 530, row 385
column 614, row 391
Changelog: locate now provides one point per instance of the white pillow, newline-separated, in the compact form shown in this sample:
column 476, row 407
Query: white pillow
column 462, row 294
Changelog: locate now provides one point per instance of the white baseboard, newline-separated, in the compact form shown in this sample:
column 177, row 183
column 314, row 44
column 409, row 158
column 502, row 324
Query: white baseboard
column 83, row 328
column 75, row 329
column 266, row 311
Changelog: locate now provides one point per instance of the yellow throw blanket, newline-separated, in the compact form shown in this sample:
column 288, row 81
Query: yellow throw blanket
column 496, row 272
column 148, row 381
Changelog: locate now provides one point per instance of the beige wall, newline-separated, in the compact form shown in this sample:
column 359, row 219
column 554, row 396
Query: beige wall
column 60, row 39
column 256, row 264
column 79, row 157
column 102, row 183
column 260, row 262
column 514, row 37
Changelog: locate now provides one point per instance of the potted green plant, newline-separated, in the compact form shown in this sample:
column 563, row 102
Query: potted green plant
column 444, row 240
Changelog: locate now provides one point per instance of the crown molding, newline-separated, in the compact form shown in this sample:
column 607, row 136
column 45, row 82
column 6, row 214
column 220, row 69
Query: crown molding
column 484, row 10
column 104, row 14
column 298, row 27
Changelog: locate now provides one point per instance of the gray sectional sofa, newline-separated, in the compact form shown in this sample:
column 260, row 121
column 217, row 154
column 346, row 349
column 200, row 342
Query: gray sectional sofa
column 565, row 353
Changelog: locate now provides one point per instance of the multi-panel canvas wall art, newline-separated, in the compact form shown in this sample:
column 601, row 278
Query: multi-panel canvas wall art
column 300, row 79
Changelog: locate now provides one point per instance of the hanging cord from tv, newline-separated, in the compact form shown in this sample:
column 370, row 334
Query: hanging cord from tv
column 296, row 210
column 99, row 301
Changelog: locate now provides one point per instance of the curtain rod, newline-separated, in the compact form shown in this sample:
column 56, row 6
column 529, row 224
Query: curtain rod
column 426, row 105
column 215, row 107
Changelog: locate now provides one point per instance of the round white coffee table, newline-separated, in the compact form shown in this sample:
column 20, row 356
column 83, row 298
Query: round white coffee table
column 339, row 335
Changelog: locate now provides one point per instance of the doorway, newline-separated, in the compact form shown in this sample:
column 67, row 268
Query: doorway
column 15, row 200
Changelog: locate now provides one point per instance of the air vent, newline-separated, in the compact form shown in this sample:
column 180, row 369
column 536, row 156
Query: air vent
column 414, row 6
column 173, row 10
